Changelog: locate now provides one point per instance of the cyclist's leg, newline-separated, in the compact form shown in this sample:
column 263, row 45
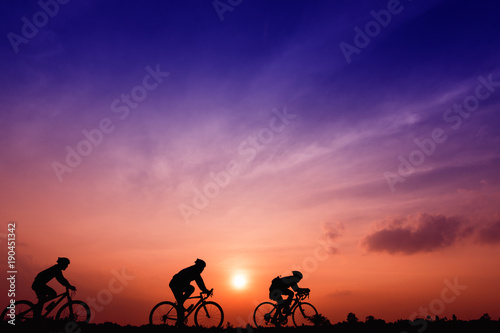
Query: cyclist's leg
column 188, row 291
column 288, row 301
column 177, row 290
column 177, row 294
column 181, row 292
column 275, row 295
column 43, row 293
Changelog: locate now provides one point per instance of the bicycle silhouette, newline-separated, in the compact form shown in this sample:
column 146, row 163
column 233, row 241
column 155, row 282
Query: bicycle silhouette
column 74, row 310
column 206, row 313
column 303, row 313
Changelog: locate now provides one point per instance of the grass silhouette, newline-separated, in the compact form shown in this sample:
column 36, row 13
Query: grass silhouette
column 323, row 325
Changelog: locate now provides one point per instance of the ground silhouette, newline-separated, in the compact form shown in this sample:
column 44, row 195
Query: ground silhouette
column 370, row 325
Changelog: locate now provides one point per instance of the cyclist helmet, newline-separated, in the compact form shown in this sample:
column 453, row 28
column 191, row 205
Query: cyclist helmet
column 63, row 261
column 297, row 274
column 200, row 263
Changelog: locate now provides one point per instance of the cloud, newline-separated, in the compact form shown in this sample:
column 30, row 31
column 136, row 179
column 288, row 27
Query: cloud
column 333, row 231
column 427, row 233
column 330, row 233
column 489, row 234
column 338, row 293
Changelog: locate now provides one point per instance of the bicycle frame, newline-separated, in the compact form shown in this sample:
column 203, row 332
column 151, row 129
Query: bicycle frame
column 272, row 313
column 200, row 302
column 297, row 299
column 70, row 309
column 206, row 313
column 61, row 297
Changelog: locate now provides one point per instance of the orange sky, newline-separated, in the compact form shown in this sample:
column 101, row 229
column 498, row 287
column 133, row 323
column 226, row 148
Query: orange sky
column 260, row 234
column 151, row 249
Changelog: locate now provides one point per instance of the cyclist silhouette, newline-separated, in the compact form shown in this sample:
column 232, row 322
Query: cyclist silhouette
column 44, row 292
column 182, row 288
column 281, row 286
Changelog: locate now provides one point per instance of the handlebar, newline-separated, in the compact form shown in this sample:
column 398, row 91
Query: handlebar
column 303, row 295
column 71, row 292
column 209, row 293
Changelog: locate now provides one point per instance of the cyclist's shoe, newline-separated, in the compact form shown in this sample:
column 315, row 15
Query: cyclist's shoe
column 181, row 321
column 275, row 322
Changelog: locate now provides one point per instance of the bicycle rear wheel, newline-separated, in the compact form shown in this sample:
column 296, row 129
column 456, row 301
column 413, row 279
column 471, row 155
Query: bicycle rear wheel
column 263, row 314
column 163, row 313
column 23, row 312
column 209, row 314
column 77, row 311
column 304, row 314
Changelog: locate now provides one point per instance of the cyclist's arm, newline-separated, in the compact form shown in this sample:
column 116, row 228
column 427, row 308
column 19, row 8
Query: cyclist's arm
column 62, row 280
column 201, row 284
column 304, row 290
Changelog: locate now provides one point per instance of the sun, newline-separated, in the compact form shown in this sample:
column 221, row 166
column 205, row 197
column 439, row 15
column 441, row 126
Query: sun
column 239, row 281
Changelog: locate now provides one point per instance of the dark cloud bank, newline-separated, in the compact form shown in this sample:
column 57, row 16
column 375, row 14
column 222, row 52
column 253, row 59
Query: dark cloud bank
column 429, row 233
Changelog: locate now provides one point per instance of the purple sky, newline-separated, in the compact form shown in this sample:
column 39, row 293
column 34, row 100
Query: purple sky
column 324, row 141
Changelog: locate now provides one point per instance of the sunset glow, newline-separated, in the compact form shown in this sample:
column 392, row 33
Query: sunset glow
column 239, row 281
column 355, row 141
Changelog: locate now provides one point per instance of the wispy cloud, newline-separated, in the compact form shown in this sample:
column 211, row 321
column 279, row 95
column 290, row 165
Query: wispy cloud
column 339, row 293
column 331, row 233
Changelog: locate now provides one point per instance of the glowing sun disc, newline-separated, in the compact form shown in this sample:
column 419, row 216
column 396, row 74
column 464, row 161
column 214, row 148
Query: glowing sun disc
column 239, row 281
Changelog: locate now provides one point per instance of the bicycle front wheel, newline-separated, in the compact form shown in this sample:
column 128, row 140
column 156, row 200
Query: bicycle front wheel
column 209, row 314
column 163, row 313
column 304, row 314
column 77, row 311
column 263, row 314
column 23, row 312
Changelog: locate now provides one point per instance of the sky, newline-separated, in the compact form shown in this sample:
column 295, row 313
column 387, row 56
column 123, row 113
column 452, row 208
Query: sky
column 355, row 142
